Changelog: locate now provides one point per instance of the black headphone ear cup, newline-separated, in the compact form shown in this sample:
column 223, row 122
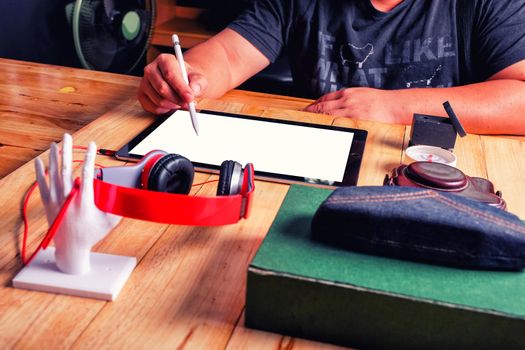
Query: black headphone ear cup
column 172, row 173
column 230, row 178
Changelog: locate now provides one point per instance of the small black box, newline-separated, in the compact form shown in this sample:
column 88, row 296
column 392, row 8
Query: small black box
column 430, row 130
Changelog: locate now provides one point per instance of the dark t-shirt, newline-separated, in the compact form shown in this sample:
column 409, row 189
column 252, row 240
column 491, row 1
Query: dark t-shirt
column 334, row 44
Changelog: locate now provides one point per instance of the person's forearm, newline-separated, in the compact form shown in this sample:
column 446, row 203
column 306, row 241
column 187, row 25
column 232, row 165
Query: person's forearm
column 492, row 107
column 210, row 60
column 226, row 61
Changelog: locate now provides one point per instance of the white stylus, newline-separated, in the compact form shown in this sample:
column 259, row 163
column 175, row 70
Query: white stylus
column 180, row 59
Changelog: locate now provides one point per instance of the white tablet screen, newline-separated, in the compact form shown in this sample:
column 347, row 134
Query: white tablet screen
column 273, row 147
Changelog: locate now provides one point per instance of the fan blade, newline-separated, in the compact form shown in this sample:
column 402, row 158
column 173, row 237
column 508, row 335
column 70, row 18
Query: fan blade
column 97, row 39
column 109, row 8
column 69, row 12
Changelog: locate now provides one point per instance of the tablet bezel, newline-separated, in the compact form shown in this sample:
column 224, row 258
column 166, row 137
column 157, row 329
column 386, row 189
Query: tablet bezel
column 353, row 163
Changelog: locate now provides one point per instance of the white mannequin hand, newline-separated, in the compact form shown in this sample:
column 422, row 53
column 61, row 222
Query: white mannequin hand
column 84, row 224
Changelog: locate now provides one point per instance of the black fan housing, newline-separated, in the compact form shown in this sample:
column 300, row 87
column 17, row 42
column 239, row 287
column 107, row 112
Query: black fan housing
column 112, row 35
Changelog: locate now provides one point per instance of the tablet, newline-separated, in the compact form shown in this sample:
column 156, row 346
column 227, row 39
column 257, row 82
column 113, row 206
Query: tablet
column 282, row 151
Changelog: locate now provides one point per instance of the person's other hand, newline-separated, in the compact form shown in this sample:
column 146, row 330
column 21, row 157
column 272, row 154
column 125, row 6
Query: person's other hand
column 163, row 89
column 358, row 103
column 83, row 224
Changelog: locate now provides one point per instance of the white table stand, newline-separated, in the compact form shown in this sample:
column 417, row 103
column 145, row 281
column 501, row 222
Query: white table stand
column 105, row 280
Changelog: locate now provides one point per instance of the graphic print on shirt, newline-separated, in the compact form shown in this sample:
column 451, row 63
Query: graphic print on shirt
column 413, row 79
column 413, row 63
column 351, row 54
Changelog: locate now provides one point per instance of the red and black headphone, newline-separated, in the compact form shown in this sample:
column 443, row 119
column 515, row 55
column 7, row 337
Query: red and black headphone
column 156, row 188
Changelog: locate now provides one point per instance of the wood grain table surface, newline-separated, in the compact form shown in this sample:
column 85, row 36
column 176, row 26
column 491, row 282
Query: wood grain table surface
column 188, row 288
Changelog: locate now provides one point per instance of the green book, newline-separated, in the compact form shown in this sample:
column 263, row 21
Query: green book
column 299, row 287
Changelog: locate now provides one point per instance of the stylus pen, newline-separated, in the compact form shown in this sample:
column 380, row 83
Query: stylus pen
column 180, row 59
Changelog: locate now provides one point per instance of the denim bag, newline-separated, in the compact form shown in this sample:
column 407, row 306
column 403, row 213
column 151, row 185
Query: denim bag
column 422, row 225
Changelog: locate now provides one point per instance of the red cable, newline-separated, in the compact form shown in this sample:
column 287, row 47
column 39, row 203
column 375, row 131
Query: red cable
column 26, row 224
column 205, row 182
column 96, row 164
column 54, row 226
column 60, row 216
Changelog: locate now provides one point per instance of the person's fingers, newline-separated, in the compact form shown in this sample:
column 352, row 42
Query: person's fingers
column 329, row 102
column 55, row 182
column 165, row 87
column 341, row 112
column 170, row 70
column 336, row 95
column 327, row 107
column 156, row 93
column 150, row 92
column 198, row 83
column 41, row 180
column 67, row 161
column 150, row 106
column 162, row 87
column 158, row 100
column 88, row 173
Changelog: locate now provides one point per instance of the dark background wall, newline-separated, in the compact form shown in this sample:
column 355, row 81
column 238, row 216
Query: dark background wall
column 36, row 30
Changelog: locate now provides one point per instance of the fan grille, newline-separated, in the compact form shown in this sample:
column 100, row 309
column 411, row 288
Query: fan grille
column 113, row 35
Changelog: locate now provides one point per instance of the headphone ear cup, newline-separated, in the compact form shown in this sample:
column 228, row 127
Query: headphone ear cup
column 230, row 178
column 172, row 173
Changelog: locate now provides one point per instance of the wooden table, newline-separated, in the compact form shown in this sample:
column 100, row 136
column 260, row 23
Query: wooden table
column 188, row 288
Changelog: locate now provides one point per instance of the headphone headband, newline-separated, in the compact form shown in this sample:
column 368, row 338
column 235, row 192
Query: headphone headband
column 172, row 208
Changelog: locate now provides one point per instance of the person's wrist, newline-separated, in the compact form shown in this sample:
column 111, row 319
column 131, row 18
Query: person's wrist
column 396, row 107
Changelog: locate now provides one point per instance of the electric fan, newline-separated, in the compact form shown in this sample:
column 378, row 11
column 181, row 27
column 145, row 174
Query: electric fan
column 111, row 35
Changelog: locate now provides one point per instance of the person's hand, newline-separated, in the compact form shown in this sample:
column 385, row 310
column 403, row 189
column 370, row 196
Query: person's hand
column 358, row 103
column 83, row 224
column 163, row 89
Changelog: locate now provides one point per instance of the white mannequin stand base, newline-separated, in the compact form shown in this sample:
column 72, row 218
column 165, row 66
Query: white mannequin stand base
column 106, row 278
